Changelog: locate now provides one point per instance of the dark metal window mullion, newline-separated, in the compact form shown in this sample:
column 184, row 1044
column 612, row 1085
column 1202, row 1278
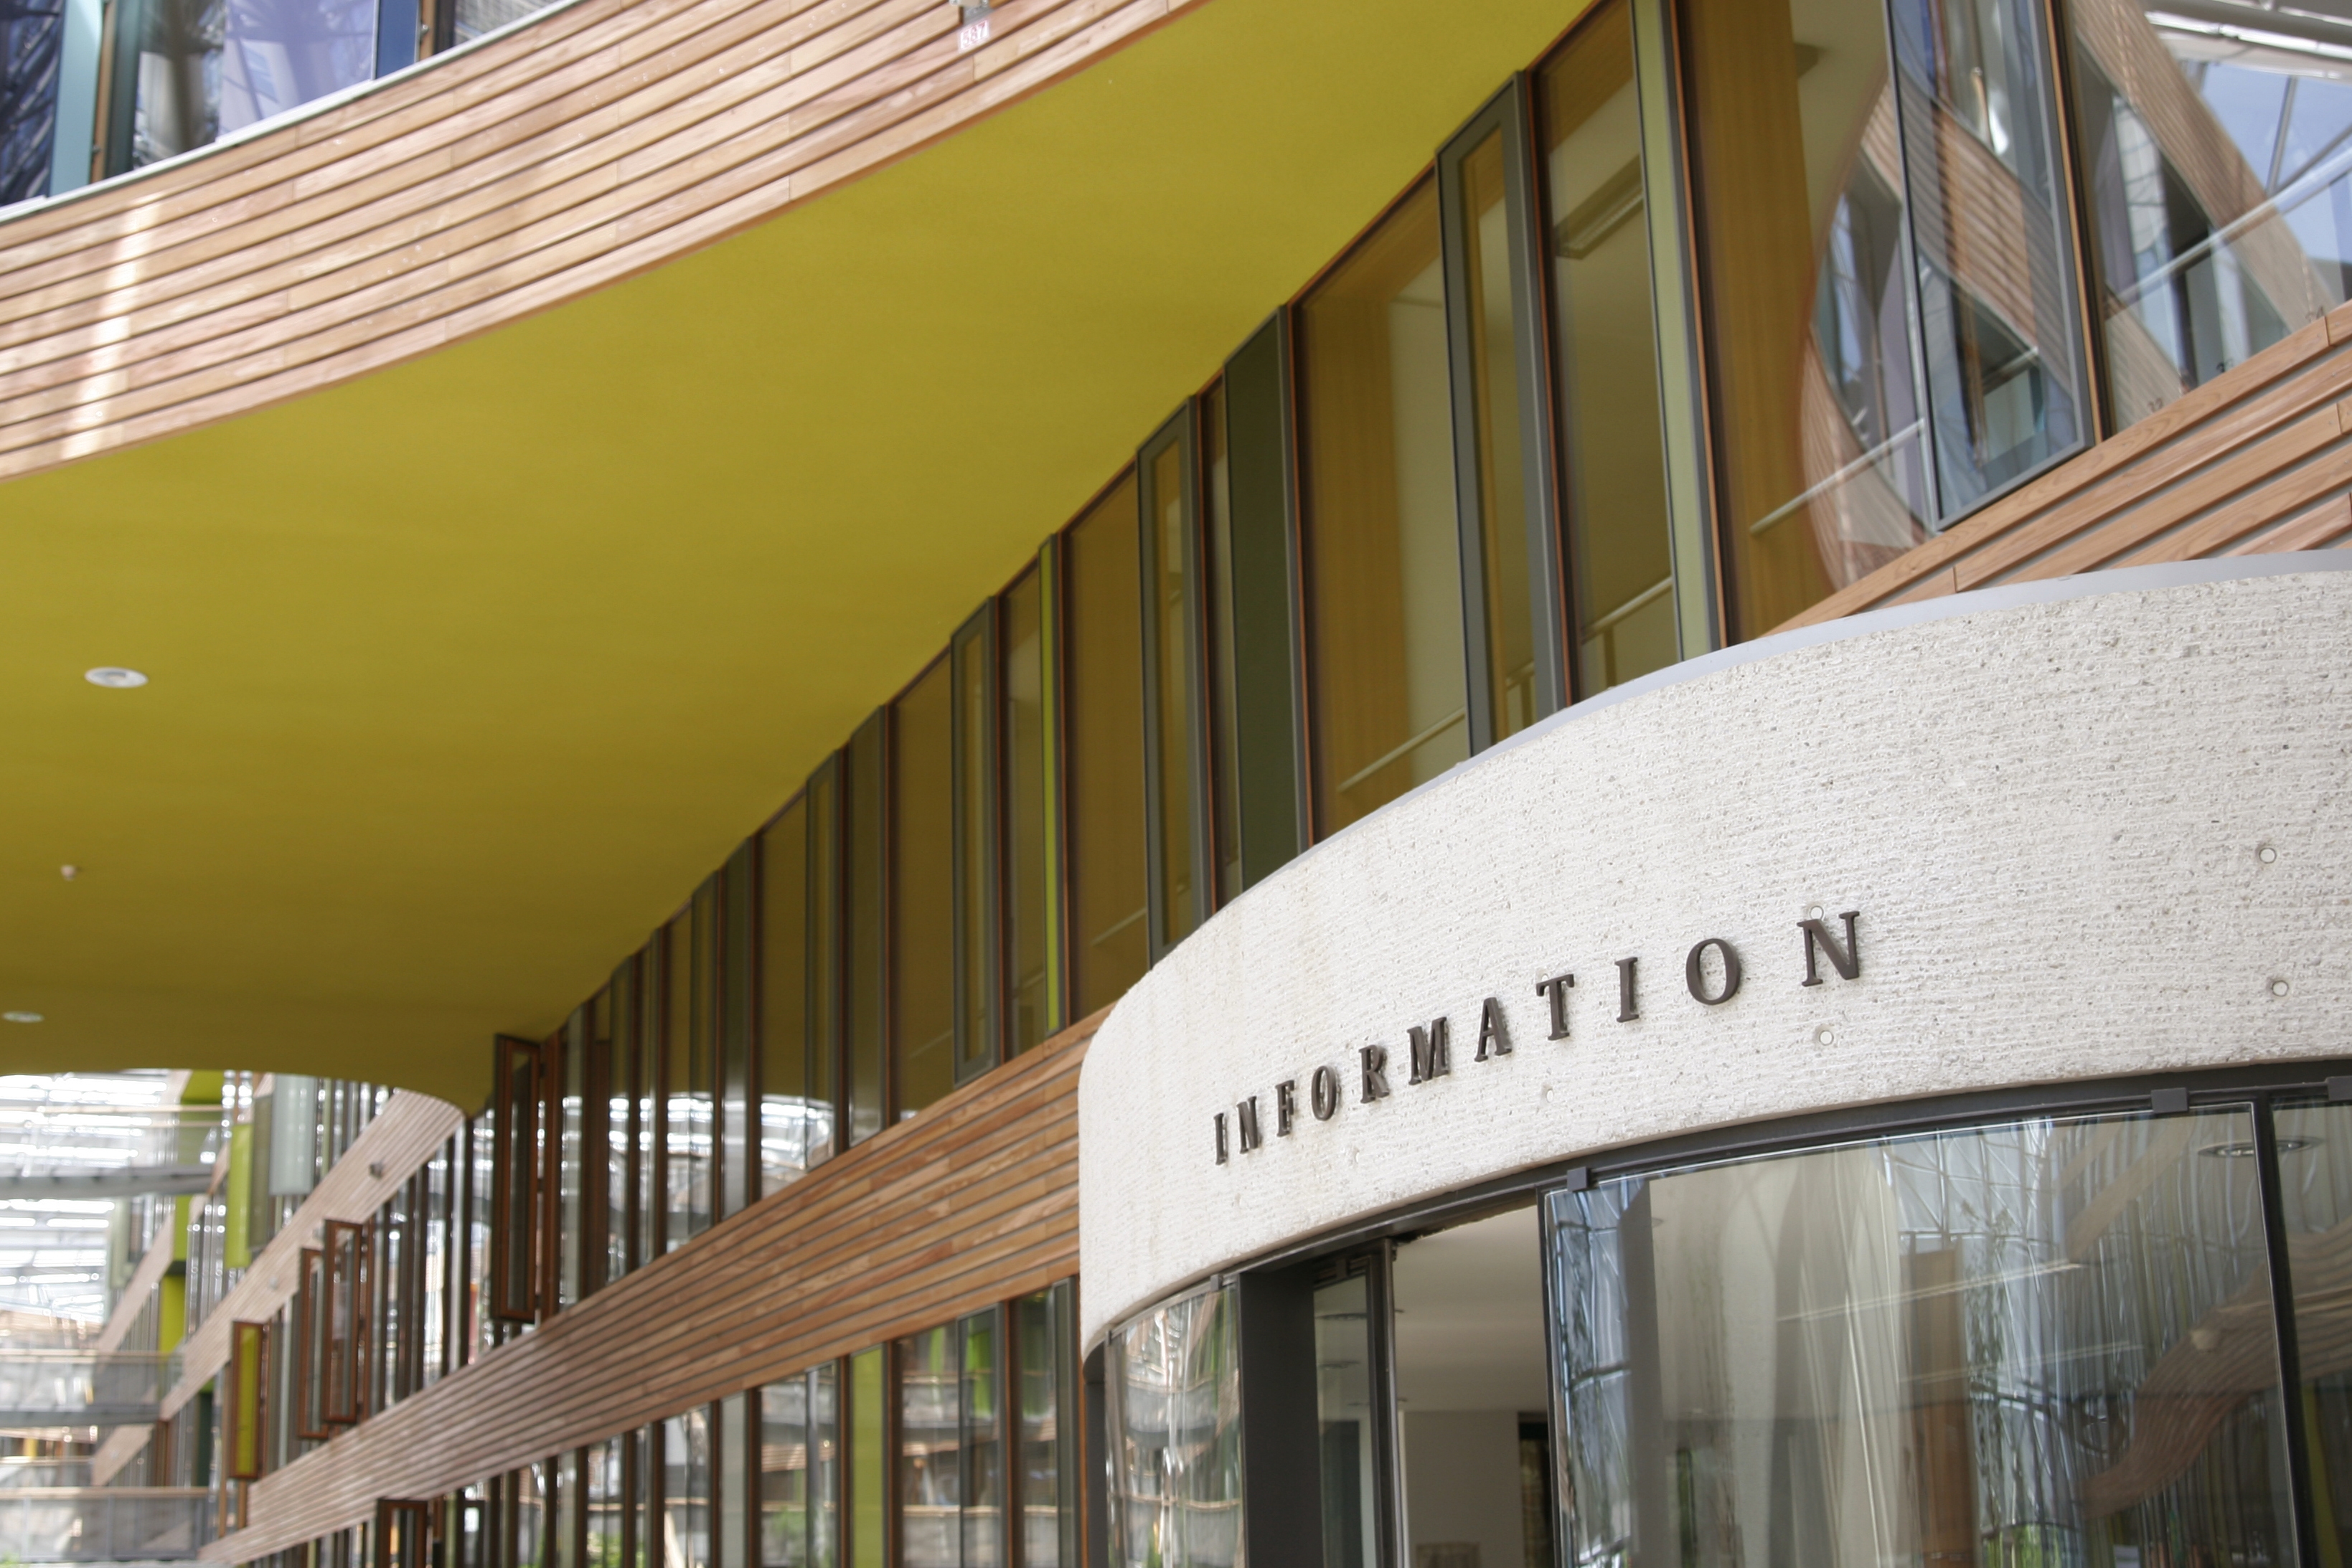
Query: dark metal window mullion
column 2289, row 1351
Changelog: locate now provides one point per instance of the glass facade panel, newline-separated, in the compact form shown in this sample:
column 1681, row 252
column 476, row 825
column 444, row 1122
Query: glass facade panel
column 930, row 1473
column 1350, row 1420
column 606, row 1501
column 571, row 1170
column 799, row 1474
column 739, row 1181
column 977, row 986
column 689, row 1108
column 824, row 965
column 1028, row 817
column 1496, row 492
column 1172, row 607
column 1172, row 1381
column 1891, row 324
column 1605, row 357
column 624, row 1131
column 2220, row 182
column 922, row 887
column 2046, row 1340
column 863, row 797
column 795, row 1106
column 1383, row 553
column 869, row 1460
column 1109, row 941
column 1217, row 652
column 731, row 1439
column 686, row 1514
column 2314, row 1164
column 1044, row 1466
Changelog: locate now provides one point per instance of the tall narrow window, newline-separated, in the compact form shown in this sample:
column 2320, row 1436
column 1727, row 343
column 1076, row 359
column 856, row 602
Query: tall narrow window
column 1217, row 650
column 1032, row 972
column 739, row 1181
column 690, row 941
column 868, row 1479
column 1383, row 560
column 795, row 1120
column 2220, row 184
column 950, row 1469
column 1173, row 740
column 650, row 988
column 1108, row 891
column 977, row 986
column 979, row 1376
column 1503, row 494
column 825, row 1026
column 686, row 1456
column 1890, row 312
column 800, row 1470
column 1612, row 459
column 863, row 802
column 1046, row 1464
column 514, row 1278
column 922, row 890
column 349, row 1292
column 570, row 1114
column 1254, row 563
column 623, row 1134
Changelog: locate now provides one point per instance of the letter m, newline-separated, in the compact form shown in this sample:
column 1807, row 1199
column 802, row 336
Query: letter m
column 1429, row 1053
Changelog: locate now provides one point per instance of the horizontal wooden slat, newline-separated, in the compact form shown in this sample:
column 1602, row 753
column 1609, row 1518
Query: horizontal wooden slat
column 2259, row 459
column 603, row 140
column 974, row 1201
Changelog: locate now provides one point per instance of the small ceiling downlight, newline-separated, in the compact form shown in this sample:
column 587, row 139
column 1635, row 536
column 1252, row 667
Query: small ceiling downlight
column 115, row 677
column 21, row 1017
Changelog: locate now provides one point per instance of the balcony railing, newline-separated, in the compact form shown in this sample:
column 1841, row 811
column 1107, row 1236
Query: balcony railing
column 82, row 1388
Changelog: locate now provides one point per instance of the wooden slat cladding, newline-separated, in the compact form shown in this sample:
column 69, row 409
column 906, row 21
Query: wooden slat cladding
column 408, row 1131
column 596, row 142
column 2255, row 461
column 974, row 1201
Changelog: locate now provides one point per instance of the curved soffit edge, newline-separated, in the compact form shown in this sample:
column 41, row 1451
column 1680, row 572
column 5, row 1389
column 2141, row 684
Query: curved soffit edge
column 469, row 663
column 2045, row 801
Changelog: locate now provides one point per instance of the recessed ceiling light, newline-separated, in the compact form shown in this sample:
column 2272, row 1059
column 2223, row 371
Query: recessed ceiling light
column 114, row 675
column 21, row 1018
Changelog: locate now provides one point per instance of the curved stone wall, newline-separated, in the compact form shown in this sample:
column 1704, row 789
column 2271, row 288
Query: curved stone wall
column 2090, row 828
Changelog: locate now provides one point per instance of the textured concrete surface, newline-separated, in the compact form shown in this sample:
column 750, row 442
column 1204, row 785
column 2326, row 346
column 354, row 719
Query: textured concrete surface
column 2050, row 816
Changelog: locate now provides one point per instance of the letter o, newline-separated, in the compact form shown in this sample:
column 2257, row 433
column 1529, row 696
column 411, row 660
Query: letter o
column 1324, row 1093
column 1695, row 971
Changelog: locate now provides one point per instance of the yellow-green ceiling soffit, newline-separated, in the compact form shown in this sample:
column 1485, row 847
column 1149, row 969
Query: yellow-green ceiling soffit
column 466, row 671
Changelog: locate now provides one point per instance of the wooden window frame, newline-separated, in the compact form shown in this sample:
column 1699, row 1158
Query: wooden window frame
column 310, row 1326
column 349, row 1260
column 245, row 1420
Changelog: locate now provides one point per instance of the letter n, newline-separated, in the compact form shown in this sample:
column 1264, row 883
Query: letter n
column 1245, row 1118
column 1845, row 960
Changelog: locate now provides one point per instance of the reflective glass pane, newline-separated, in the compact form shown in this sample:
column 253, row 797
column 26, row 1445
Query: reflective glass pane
column 1172, row 582
column 1042, row 1330
column 1108, row 948
column 1605, row 357
column 1346, row 1422
column 930, row 1435
column 1027, row 818
column 1891, row 319
column 981, row 1377
column 2045, row 1341
column 824, row 976
column 686, row 1489
column 795, row 1118
column 922, row 886
column 1173, row 1387
column 1224, row 742
column 1383, row 556
column 1492, row 309
column 2218, row 170
column 798, row 1471
column 2315, row 1159
column 863, row 797
column 976, row 984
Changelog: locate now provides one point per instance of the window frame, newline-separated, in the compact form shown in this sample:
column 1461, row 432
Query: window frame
column 1181, row 432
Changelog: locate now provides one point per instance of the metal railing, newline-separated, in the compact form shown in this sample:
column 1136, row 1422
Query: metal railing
column 96, row 1524
column 83, row 1388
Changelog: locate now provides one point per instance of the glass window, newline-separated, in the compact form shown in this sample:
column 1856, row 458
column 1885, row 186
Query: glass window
column 1224, row 749
column 2218, row 175
column 605, row 1498
column 922, row 887
column 824, row 967
column 570, row 1050
column 1352, row 1418
column 1032, row 975
column 691, row 941
column 439, row 1192
column 2049, row 1340
column 1383, row 553
column 686, row 1489
column 2314, row 1150
column 1109, row 944
column 649, row 1185
column 868, row 1460
column 732, row 1437
column 799, row 1474
column 739, row 1183
column 930, row 1435
column 863, row 797
column 1605, row 357
column 1171, row 606
column 1044, row 1335
column 625, row 1133
column 1172, row 1380
column 1481, row 186
column 1890, row 307
column 973, row 655
column 795, row 1103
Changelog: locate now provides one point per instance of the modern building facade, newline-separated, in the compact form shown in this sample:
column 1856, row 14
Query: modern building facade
column 1238, row 782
